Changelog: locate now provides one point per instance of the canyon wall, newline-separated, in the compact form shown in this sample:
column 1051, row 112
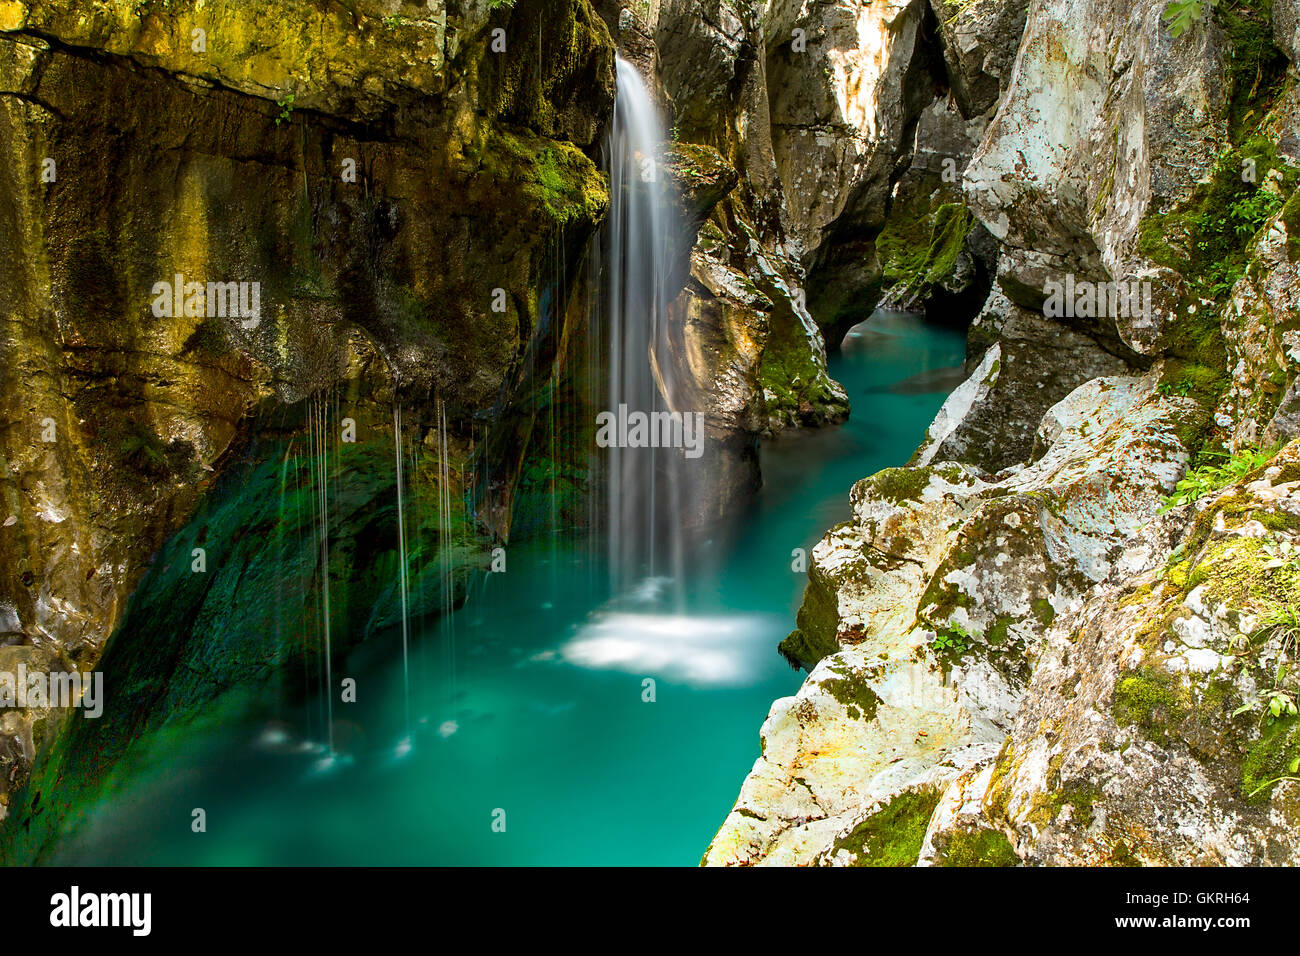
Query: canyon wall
column 1044, row 640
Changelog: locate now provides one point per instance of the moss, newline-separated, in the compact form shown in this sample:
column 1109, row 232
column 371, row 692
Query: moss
column 919, row 248
column 1270, row 758
column 1121, row 855
column 900, row 484
column 559, row 178
column 1256, row 68
column 1138, row 597
column 995, row 797
column 1206, row 239
column 981, row 847
column 792, row 369
column 1153, row 702
column 893, row 835
column 1044, row 611
column 817, row 622
column 1079, row 796
column 1290, row 216
column 996, row 632
column 858, row 699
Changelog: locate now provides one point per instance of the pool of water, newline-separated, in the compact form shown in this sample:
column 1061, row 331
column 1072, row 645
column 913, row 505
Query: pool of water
column 529, row 735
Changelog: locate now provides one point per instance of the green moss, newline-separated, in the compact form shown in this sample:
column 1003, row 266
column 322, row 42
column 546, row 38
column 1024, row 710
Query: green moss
column 562, row 181
column 1270, row 758
column 1139, row 596
column 792, row 367
column 210, row 337
column 1256, row 68
column 893, row 835
column 1079, row 796
column 995, row 797
column 977, row 848
column 1121, row 855
column 1152, row 701
column 1044, row 611
column 996, row 632
column 1290, row 217
column 858, row 699
column 817, row 625
column 1207, row 239
column 897, row 485
column 919, row 248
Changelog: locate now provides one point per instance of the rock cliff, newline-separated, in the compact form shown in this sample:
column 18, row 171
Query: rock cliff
column 1063, row 634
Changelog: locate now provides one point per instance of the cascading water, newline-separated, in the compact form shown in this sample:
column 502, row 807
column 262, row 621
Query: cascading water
column 644, row 486
column 401, row 569
column 318, row 432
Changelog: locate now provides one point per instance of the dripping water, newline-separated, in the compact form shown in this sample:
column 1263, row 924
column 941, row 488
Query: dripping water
column 644, row 518
column 317, row 425
column 401, row 567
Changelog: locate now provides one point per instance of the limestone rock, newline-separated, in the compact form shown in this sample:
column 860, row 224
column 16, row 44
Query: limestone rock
column 1031, row 364
column 979, row 47
column 1107, row 119
column 928, row 611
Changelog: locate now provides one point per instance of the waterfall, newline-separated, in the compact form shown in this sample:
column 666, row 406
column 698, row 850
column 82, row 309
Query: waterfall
column 643, row 506
column 318, row 437
column 401, row 564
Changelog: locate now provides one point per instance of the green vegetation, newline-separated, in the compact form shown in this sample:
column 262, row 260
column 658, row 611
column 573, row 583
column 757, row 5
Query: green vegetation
column 850, row 690
column 1256, row 68
column 893, row 835
column 953, row 641
column 1180, row 15
column 1275, row 702
column 1204, row 480
column 286, row 109
column 1206, row 238
column 978, row 848
column 1154, row 702
column 558, row 177
column 919, row 250
column 1273, row 758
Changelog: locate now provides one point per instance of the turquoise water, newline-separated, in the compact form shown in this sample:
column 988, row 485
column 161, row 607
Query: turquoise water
column 530, row 741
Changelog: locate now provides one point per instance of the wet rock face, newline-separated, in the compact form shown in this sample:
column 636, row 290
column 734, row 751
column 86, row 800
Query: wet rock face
column 378, row 177
column 754, row 352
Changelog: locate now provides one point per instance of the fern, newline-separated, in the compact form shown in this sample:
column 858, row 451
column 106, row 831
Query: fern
column 1205, row 480
column 1181, row 15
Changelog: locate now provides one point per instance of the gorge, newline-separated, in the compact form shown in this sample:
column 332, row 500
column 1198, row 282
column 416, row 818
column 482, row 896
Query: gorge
column 375, row 579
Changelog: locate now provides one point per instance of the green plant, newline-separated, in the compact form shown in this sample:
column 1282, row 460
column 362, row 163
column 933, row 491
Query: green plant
column 1205, row 480
column 1274, row 703
column 1180, row 15
column 1182, row 388
column 1249, row 213
column 955, row 640
column 1293, row 767
column 286, row 109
